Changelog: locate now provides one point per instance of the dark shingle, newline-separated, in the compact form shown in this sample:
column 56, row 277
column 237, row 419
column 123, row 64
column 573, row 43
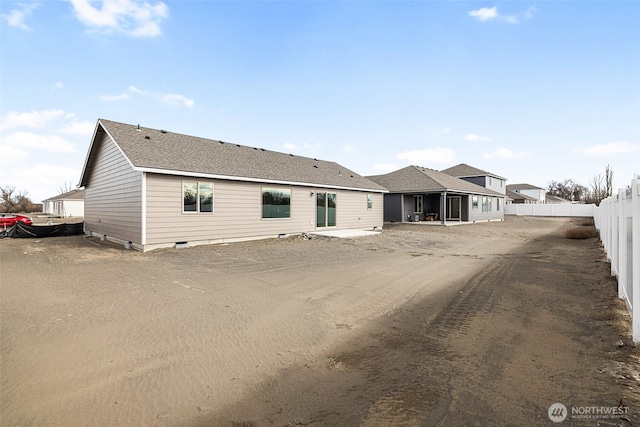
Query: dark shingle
column 152, row 149
column 417, row 179
column 514, row 187
column 465, row 170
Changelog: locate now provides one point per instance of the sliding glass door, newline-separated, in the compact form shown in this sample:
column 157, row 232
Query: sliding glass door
column 326, row 204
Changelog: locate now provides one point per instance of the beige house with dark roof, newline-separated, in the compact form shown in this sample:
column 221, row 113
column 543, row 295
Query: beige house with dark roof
column 150, row 188
column 422, row 194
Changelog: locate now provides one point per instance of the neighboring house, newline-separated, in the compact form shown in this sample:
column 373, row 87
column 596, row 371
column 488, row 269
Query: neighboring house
column 529, row 190
column 69, row 204
column 421, row 194
column 550, row 198
column 151, row 188
column 519, row 198
column 478, row 176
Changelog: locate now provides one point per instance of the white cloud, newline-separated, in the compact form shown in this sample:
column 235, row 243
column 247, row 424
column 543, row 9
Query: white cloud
column 113, row 98
column 618, row 147
column 505, row 153
column 289, row 146
column 348, row 148
column 386, row 167
column 485, row 13
column 31, row 119
column 312, row 147
column 79, row 128
column 428, row 156
column 50, row 143
column 136, row 90
column 472, row 137
column 174, row 99
column 11, row 153
column 529, row 12
column 16, row 17
column 446, row 130
column 44, row 180
column 40, row 150
column 177, row 99
column 131, row 17
column 58, row 85
column 511, row 19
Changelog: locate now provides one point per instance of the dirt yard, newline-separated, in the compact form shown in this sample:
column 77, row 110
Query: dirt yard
column 484, row 324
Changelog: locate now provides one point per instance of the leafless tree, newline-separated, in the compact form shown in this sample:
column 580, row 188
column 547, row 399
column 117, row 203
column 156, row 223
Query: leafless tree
column 608, row 181
column 601, row 186
column 13, row 202
column 67, row 187
column 568, row 190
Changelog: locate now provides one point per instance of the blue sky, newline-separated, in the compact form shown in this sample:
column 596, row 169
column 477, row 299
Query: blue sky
column 532, row 91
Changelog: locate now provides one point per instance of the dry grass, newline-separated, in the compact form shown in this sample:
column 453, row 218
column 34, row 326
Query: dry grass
column 581, row 232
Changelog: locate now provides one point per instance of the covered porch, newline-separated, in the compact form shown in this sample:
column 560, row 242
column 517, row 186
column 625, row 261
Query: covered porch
column 435, row 207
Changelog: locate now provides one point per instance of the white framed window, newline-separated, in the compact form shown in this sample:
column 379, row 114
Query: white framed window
column 369, row 201
column 498, row 204
column 474, row 203
column 486, row 204
column 417, row 204
column 197, row 197
column 276, row 203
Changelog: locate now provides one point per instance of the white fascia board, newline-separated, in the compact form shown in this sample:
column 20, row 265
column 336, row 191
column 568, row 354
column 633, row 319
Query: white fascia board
column 248, row 179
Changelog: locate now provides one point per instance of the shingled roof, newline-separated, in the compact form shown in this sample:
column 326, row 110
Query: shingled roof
column 76, row 194
column 514, row 187
column 413, row 179
column 463, row 170
column 519, row 196
column 159, row 151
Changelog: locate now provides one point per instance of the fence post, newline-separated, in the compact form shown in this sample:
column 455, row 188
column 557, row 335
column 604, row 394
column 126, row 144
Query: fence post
column 621, row 254
column 635, row 259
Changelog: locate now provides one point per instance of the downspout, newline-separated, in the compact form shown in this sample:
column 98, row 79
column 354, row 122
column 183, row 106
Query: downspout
column 143, row 221
column 443, row 208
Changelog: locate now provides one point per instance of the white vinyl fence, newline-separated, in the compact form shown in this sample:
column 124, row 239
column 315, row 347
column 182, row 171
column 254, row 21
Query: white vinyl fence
column 549, row 209
column 618, row 221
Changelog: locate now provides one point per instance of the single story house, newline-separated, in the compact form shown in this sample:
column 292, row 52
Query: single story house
column 520, row 198
column 149, row 188
column 421, row 194
column 69, row 204
column 478, row 176
column 529, row 190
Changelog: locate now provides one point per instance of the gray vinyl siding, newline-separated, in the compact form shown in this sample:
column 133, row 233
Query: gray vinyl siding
column 393, row 207
column 113, row 195
column 496, row 184
column 489, row 182
column 478, row 215
column 237, row 211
